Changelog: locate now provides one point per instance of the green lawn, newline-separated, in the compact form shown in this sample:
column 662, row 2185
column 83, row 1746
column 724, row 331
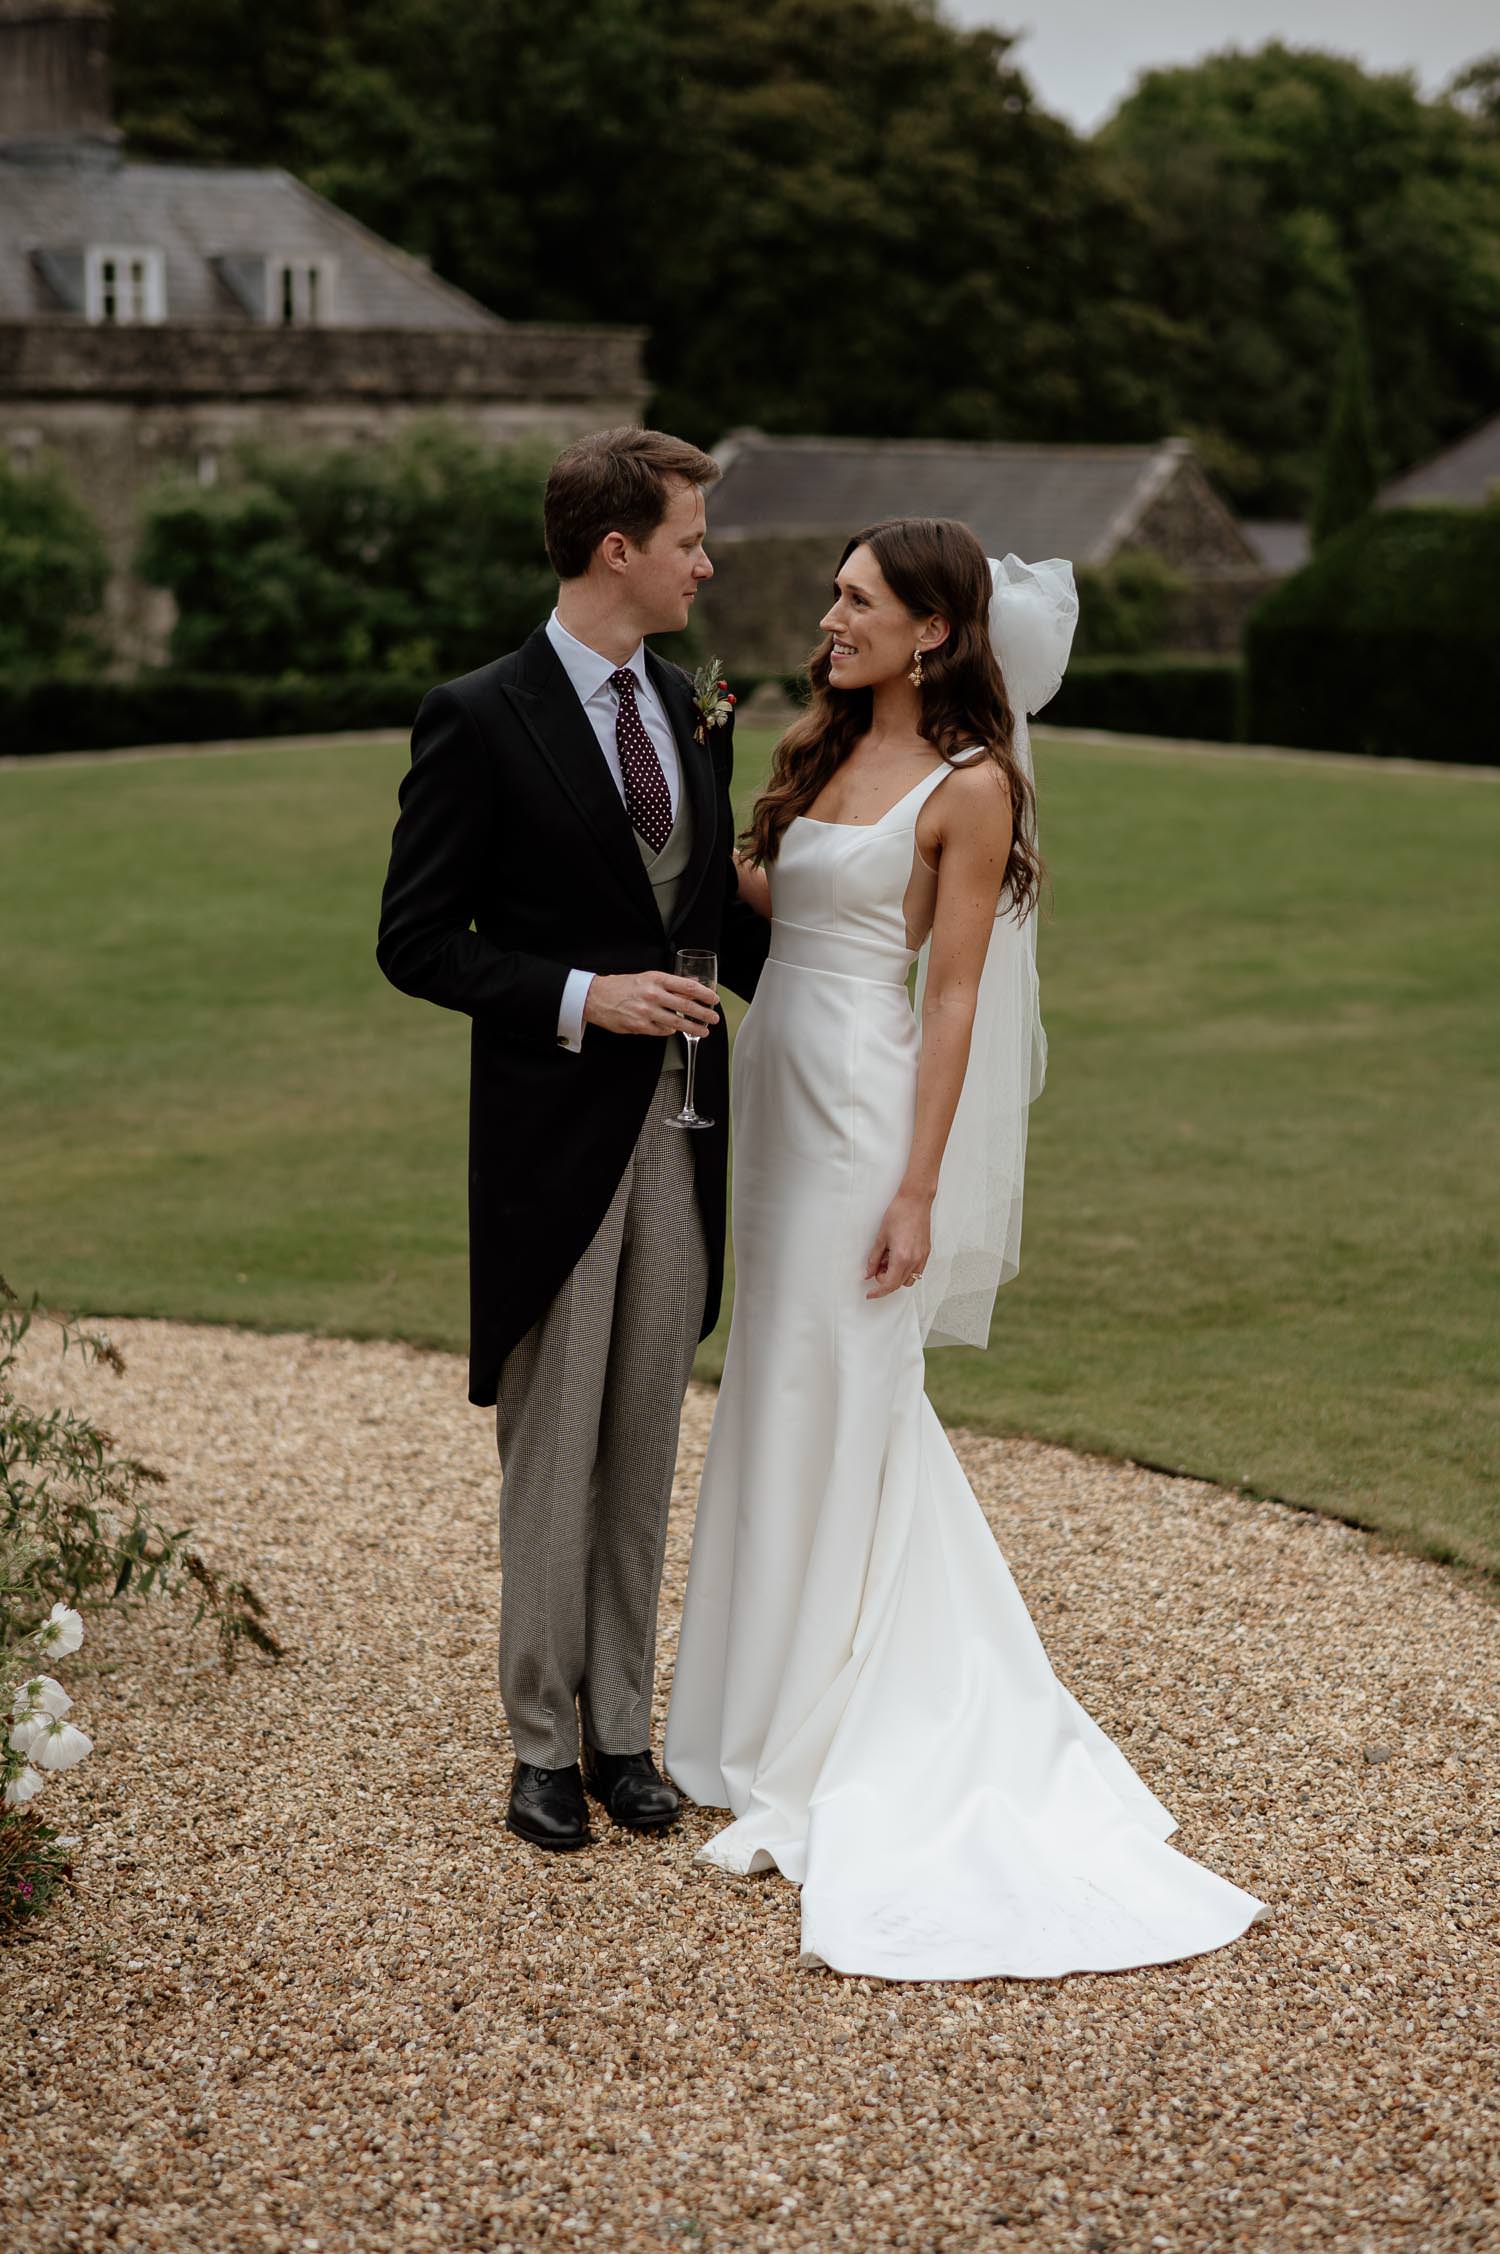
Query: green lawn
column 1260, row 1230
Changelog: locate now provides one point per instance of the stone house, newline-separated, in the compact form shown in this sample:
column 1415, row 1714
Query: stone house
column 784, row 507
column 155, row 316
column 1466, row 475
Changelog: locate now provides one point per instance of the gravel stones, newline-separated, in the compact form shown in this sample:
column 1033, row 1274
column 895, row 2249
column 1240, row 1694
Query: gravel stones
column 312, row 1996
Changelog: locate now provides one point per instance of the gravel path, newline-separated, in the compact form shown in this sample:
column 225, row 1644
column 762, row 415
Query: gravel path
column 312, row 1996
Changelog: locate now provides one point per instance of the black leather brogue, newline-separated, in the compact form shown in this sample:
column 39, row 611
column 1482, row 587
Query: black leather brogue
column 547, row 1807
column 632, row 1790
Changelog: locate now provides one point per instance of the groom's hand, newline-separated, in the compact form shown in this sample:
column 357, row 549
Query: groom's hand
column 650, row 1001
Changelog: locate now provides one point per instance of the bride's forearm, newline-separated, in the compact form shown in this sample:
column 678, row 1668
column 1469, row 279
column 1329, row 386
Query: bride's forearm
column 947, row 1029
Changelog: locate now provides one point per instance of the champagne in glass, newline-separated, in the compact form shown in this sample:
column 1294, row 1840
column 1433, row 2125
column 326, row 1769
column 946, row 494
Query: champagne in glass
column 702, row 964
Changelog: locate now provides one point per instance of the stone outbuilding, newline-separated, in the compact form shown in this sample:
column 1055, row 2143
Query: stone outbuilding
column 1465, row 476
column 784, row 507
column 155, row 316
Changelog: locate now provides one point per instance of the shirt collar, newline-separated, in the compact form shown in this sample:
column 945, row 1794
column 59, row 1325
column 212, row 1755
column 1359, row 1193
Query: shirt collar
column 586, row 668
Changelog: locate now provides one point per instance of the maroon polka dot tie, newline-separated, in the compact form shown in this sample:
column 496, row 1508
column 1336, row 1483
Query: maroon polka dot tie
column 648, row 801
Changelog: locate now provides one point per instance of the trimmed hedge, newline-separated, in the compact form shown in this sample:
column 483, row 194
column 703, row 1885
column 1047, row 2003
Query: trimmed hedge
column 1150, row 696
column 1388, row 643
column 40, row 715
column 163, row 708
column 1133, row 696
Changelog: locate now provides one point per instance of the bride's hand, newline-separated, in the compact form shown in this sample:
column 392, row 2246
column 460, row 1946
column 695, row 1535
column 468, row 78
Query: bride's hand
column 900, row 1251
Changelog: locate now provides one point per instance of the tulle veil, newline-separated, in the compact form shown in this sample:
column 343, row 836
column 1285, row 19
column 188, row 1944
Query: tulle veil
column 976, row 1215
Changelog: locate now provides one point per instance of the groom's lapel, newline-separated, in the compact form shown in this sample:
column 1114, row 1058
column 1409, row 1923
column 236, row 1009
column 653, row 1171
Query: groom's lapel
column 697, row 772
column 548, row 704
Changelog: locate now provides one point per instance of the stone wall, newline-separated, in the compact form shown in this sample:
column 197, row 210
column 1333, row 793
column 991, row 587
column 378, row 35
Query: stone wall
column 124, row 408
column 1188, row 526
column 70, row 359
column 760, row 611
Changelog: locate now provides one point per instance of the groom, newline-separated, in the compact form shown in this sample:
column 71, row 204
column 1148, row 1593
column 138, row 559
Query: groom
column 564, row 828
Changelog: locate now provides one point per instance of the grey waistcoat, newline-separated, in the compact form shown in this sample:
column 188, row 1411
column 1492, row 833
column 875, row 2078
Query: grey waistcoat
column 666, row 871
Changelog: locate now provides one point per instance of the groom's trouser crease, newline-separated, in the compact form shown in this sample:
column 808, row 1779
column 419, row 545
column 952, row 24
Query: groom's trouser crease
column 587, row 1420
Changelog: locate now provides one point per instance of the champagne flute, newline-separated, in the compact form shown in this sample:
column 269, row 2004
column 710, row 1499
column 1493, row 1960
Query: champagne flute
column 702, row 964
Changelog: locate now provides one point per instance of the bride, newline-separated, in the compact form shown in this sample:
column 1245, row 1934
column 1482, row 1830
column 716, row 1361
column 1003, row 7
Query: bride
column 858, row 1680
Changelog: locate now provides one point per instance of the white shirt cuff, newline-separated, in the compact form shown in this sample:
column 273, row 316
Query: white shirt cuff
column 570, row 1016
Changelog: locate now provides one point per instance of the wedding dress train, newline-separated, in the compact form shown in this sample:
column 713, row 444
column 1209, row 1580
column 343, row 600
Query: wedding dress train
column 858, row 1679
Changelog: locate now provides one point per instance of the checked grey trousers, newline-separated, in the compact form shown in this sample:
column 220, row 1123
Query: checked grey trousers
column 587, row 1416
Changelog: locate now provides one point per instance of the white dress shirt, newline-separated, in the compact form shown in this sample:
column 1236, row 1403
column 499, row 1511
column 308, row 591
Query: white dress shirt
column 590, row 673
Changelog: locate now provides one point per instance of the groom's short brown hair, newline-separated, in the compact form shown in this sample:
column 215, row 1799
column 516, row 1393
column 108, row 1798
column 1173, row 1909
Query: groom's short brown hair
column 614, row 481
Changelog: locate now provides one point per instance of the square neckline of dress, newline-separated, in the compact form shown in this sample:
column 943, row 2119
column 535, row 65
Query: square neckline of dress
column 819, row 824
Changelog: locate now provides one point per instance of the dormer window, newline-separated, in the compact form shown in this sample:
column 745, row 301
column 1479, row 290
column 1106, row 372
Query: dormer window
column 300, row 296
column 124, row 284
column 287, row 293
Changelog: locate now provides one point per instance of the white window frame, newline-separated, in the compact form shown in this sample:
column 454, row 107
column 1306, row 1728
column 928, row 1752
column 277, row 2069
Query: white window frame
column 299, row 292
column 124, row 285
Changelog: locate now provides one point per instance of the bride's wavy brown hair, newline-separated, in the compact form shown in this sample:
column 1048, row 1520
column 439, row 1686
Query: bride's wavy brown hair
column 936, row 567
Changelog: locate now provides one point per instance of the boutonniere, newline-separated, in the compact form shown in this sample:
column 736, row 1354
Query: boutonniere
column 713, row 697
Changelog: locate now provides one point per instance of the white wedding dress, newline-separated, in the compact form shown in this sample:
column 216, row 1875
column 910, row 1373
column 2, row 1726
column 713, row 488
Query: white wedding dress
column 858, row 1679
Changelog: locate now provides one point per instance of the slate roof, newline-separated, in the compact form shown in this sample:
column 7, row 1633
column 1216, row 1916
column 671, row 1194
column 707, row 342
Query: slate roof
column 1467, row 473
column 1282, row 543
column 196, row 213
column 1077, row 501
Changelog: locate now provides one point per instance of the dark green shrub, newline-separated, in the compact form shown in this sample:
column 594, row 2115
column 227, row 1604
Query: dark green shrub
column 1125, row 607
column 76, row 715
column 39, row 716
column 1150, row 696
column 53, row 571
column 420, row 557
column 1386, row 643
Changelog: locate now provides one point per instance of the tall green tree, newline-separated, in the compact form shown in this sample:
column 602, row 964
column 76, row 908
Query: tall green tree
column 1349, row 475
column 853, row 216
column 1476, row 89
column 1274, row 187
column 842, row 215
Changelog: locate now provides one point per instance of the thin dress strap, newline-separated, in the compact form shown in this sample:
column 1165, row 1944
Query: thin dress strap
column 917, row 797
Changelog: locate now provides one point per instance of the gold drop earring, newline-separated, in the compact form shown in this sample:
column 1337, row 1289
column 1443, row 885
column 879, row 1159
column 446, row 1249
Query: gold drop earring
column 915, row 675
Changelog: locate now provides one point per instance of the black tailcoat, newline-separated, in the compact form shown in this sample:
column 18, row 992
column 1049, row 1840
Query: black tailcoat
column 513, row 861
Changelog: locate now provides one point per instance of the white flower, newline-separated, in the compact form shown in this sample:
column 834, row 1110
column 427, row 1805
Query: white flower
column 41, row 1695
column 61, row 1631
column 25, row 1733
column 58, row 1745
column 23, row 1788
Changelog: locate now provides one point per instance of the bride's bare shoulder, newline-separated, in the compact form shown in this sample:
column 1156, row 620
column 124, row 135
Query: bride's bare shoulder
column 974, row 792
column 969, row 810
